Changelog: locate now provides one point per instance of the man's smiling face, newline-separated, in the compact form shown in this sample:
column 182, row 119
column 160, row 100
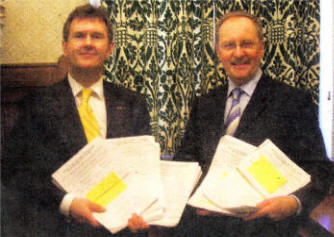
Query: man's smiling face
column 239, row 49
column 88, row 44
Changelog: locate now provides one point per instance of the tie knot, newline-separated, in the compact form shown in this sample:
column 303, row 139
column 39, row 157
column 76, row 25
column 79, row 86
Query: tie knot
column 85, row 95
column 236, row 93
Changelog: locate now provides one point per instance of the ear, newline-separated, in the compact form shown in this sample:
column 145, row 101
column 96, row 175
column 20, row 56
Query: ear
column 111, row 47
column 64, row 46
column 262, row 47
column 218, row 52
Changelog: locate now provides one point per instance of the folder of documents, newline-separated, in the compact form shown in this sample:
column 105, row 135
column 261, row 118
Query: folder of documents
column 126, row 176
column 241, row 175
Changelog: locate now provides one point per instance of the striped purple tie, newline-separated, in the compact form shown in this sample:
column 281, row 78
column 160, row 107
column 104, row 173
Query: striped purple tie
column 233, row 118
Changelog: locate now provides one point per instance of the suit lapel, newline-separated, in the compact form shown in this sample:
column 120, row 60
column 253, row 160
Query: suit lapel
column 220, row 112
column 212, row 107
column 257, row 104
column 70, row 128
column 115, row 108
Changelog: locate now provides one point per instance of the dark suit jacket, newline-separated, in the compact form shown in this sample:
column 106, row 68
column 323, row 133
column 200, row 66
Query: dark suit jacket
column 276, row 111
column 49, row 132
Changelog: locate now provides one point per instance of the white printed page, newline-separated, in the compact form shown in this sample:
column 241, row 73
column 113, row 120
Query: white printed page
column 234, row 194
column 265, row 172
column 143, row 159
column 134, row 199
column 121, row 174
column 179, row 179
column 229, row 153
column 78, row 175
column 272, row 173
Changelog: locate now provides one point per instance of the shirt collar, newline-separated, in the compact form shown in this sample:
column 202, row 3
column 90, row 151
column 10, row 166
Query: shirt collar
column 76, row 87
column 247, row 88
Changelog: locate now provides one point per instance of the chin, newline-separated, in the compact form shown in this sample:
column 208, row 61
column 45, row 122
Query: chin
column 239, row 81
column 89, row 66
column 87, row 69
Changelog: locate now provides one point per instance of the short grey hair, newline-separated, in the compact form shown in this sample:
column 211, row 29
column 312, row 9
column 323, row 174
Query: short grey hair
column 256, row 20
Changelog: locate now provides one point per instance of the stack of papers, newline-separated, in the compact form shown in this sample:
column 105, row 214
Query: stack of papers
column 126, row 176
column 241, row 175
column 179, row 179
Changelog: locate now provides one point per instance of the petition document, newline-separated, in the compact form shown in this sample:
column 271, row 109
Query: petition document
column 179, row 179
column 229, row 153
column 121, row 174
column 144, row 162
column 264, row 173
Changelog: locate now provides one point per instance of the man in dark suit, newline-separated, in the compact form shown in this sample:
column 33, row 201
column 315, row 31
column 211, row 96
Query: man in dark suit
column 268, row 109
column 51, row 130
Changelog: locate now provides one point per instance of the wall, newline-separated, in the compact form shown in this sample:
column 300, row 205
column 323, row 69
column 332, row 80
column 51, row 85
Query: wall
column 326, row 108
column 33, row 30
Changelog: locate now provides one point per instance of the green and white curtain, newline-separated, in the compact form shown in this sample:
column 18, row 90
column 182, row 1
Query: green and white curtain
column 165, row 50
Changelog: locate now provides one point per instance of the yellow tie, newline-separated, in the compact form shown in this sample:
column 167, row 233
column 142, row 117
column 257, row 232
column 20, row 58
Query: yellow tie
column 87, row 116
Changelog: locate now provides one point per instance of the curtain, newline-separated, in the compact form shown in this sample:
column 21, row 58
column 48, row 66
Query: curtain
column 292, row 34
column 165, row 50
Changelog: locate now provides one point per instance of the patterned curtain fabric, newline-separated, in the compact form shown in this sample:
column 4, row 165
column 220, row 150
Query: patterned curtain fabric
column 292, row 33
column 165, row 50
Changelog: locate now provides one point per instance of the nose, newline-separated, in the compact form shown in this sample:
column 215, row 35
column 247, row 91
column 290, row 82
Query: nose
column 239, row 51
column 88, row 40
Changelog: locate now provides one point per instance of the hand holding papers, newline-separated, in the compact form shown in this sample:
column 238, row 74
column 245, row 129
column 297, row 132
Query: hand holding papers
column 228, row 155
column 119, row 174
column 263, row 173
column 126, row 176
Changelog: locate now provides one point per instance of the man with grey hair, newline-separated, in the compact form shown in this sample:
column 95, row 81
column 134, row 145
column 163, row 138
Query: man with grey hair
column 253, row 107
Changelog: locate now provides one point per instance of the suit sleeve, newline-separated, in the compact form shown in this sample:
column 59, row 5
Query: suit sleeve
column 203, row 130
column 143, row 121
column 306, row 147
column 24, row 166
column 188, row 150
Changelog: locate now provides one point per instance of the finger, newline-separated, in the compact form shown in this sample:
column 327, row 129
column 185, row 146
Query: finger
column 88, row 218
column 144, row 225
column 81, row 209
column 91, row 220
column 281, row 207
column 94, row 207
column 263, row 203
column 136, row 221
column 131, row 225
column 264, row 211
column 140, row 223
column 202, row 212
column 274, row 216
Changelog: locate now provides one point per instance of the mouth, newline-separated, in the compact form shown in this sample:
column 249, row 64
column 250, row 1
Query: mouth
column 88, row 54
column 240, row 66
column 240, row 62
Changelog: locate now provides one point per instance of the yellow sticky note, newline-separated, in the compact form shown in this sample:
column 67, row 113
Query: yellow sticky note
column 107, row 190
column 266, row 174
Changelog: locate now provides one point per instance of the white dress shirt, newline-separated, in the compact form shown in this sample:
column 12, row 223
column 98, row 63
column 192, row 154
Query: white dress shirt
column 248, row 90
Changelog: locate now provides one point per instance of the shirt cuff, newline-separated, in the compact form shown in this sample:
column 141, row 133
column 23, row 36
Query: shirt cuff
column 65, row 204
column 299, row 208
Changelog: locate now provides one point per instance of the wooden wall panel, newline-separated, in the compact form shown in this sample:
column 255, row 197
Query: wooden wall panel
column 33, row 74
column 19, row 80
